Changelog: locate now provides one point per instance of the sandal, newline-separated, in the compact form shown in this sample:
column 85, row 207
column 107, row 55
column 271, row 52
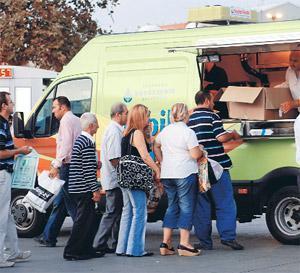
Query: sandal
column 185, row 251
column 166, row 250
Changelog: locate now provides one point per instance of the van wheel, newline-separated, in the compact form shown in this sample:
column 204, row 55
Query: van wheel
column 283, row 215
column 29, row 221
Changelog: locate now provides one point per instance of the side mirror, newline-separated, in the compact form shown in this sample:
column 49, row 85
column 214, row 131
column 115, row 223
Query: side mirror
column 18, row 123
column 21, row 131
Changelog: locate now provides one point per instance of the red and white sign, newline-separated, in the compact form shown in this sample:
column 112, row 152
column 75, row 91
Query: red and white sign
column 240, row 13
column 6, row 72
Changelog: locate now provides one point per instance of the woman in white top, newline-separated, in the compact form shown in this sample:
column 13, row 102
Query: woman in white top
column 176, row 148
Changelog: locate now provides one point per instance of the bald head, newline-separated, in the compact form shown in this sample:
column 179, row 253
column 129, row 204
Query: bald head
column 295, row 60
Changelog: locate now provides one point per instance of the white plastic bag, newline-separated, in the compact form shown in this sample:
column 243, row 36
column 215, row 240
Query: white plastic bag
column 43, row 195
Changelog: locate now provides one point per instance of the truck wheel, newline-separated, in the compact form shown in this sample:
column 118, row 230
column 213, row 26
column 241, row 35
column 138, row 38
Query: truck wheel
column 29, row 221
column 283, row 215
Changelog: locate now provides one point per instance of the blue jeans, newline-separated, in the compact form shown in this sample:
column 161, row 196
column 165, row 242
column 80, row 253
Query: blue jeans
column 133, row 223
column 62, row 206
column 181, row 202
column 221, row 194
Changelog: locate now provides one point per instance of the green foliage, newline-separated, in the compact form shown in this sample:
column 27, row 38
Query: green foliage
column 47, row 33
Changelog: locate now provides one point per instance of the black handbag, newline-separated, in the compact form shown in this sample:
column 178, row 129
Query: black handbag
column 133, row 173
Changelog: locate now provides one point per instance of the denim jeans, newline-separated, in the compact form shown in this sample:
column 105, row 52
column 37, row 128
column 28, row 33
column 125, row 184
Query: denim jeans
column 221, row 194
column 133, row 223
column 181, row 202
column 62, row 206
column 8, row 232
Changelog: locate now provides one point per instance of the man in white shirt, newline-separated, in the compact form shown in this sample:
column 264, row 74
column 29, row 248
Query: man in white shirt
column 292, row 82
column 110, row 154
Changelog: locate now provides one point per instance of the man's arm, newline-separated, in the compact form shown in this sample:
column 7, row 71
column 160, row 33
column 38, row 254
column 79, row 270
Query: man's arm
column 10, row 153
column 227, row 136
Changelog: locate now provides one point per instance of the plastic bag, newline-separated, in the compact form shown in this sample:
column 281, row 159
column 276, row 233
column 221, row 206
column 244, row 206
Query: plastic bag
column 43, row 195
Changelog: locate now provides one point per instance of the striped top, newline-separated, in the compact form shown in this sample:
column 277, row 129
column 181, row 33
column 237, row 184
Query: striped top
column 6, row 143
column 208, row 127
column 83, row 166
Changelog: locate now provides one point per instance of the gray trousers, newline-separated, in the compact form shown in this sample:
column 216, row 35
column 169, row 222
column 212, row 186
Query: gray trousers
column 110, row 222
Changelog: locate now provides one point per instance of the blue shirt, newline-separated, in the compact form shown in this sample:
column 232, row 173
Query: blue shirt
column 6, row 143
column 208, row 126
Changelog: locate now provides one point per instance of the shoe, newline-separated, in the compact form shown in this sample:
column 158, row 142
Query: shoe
column 105, row 250
column 121, row 254
column 23, row 256
column 146, row 254
column 166, row 250
column 97, row 254
column 185, row 251
column 5, row 264
column 44, row 242
column 201, row 246
column 233, row 244
column 77, row 257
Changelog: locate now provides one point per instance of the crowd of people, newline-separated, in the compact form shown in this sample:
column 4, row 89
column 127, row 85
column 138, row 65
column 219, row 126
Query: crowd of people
column 178, row 150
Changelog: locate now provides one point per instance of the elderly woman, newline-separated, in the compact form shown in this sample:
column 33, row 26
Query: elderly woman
column 176, row 148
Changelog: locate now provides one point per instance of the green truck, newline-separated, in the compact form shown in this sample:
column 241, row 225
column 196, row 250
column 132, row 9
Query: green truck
column 161, row 68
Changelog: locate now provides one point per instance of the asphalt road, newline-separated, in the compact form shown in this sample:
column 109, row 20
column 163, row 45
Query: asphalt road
column 262, row 254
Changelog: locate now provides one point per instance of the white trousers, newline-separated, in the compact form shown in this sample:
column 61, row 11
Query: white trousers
column 8, row 231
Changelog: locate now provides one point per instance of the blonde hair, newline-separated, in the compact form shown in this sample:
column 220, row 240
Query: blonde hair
column 136, row 118
column 179, row 112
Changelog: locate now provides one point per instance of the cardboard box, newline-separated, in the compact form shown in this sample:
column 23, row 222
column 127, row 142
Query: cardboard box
column 257, row 103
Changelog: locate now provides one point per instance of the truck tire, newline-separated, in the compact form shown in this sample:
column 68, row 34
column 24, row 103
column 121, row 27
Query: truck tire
column 283, row 215
column 29, row 221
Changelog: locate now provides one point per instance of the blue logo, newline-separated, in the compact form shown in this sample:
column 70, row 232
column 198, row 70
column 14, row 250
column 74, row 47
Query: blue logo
column 160, row 123
column 127, row 99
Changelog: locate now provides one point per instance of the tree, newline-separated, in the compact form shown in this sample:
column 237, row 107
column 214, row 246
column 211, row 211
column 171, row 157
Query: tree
column 47, row 33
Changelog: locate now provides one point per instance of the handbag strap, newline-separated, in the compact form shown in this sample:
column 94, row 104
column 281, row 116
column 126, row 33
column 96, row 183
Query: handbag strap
column 130, row 142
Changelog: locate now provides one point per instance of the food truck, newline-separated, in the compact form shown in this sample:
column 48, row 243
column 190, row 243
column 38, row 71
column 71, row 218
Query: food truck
column 161, row 68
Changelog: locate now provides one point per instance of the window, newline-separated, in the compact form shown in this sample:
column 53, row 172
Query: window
column 23, row 100
column 43, row 118
column 77, row 91
column 79, row 94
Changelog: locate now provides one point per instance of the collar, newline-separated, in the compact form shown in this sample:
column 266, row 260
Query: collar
column 86, row 134
column 203, row 109
column 3, row 118
column 180, row 123
column 120, row 127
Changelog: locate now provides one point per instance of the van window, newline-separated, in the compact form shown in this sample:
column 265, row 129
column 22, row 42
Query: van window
column 79, row 94
column 43, row 117
column 77, row 91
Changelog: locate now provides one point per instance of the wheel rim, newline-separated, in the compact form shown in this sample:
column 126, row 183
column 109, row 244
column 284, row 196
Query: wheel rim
column 287, row 216
column 23, row 213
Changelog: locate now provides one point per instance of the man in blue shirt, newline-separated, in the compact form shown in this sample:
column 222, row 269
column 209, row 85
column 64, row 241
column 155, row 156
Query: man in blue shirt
column 210, row 133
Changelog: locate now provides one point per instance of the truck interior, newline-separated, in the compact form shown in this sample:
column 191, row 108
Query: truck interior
column 255, row 61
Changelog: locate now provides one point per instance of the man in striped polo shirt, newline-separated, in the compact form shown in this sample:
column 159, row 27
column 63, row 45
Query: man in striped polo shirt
column 84, row 190
column 208, row 127
column 8, row 151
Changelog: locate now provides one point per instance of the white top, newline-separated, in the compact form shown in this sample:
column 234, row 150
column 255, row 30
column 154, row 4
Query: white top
column 292, row 81
column 297, row 138
column 110, row 149
column 176, row 140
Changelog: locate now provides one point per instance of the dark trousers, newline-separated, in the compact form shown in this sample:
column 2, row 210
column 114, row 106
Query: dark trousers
column 62, row 206
column 110, row 223
column 84, row 227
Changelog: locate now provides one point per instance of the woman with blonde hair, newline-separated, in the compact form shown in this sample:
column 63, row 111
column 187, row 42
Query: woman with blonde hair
column 176, row 148
column 131, row 240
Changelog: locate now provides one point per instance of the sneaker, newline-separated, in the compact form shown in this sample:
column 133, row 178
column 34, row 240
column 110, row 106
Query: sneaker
column 23, row 256
column 233, row 244
column 6, row 264
column 44, row 242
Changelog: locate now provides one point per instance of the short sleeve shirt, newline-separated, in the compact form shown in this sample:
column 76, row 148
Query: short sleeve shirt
column 208, row 126
column 176, row 140
column 6, row 143
column 110, row 149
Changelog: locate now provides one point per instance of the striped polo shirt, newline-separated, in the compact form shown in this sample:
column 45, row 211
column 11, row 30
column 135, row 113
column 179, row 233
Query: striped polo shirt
column 83, row 166
column 208, row 127
column 6, row 143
